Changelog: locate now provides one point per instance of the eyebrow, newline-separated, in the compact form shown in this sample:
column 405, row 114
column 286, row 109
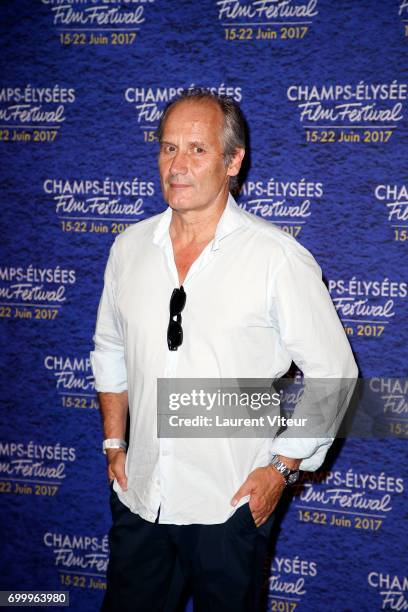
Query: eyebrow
column 195, row 143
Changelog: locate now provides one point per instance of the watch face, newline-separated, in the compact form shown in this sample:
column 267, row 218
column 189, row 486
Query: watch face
column 293, row 477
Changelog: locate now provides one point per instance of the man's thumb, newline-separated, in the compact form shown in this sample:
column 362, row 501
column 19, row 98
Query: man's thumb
column 120, row 473
column 122, row 480
column 244, row 490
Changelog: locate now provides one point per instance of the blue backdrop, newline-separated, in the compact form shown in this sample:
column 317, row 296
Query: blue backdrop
column 83, row 83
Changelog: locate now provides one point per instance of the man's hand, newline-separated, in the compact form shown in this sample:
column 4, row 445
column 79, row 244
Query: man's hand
column 265, row 486
column 114, row 409
column 116, row 466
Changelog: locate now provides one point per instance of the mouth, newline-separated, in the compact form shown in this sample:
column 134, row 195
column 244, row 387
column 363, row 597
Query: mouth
column 178, row 186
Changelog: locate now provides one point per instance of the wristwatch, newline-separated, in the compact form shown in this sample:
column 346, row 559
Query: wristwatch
column 113, row 443
column 290, row 476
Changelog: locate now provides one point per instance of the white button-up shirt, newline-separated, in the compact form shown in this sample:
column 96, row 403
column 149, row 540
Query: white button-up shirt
column 255, row 302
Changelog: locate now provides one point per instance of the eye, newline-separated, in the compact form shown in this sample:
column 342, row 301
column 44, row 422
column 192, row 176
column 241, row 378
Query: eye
column 167, row 148
column 198, row 149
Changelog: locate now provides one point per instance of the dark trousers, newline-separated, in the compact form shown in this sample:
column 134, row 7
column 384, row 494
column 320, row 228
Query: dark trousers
column 224, row 564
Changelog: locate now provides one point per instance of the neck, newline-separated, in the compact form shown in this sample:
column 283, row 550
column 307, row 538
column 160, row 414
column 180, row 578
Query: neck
column 196, row 226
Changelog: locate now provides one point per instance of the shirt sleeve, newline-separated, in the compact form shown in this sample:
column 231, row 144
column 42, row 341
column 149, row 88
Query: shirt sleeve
column 108, row 357
column 311, row 332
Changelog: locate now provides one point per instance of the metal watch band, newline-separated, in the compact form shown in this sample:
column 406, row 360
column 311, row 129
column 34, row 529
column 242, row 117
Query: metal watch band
column 113, row 443
column 290, row 476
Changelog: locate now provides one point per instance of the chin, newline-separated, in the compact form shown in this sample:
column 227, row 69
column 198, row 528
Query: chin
column 181, row 205
column 180, row 202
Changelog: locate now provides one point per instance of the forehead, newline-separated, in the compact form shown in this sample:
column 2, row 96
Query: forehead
column 200, row 117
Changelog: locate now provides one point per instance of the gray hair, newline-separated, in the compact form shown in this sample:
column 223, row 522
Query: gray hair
column 234, row 134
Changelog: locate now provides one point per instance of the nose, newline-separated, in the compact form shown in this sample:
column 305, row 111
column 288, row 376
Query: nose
column 179, row 164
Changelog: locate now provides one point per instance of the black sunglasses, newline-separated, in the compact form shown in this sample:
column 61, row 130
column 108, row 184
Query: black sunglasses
column 174, row 330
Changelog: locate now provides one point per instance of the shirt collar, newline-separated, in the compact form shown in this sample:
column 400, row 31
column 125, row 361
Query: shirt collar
column 161, row 231
column 231, row 219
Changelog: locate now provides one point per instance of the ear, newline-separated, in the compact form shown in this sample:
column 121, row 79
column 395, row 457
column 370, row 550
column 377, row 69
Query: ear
column 235, row 164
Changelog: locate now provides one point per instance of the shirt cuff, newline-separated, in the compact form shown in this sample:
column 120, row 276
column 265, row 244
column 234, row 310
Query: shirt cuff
column 312, row 451
column 109, row 371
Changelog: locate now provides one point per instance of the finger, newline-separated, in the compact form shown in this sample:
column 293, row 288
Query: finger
column 261, row 519
column 122, row 481
column 119, row 473
column 117, row 466
column 258, row 516
column 258, row 521
column 244, row 490
column 257, row 508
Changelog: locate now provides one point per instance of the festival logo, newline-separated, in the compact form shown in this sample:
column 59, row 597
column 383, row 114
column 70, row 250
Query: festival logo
column 34, row 468
column 288, row 581
column 81, row 560
column 392, row 590
column 288, row 204
column 394, row 199
column 403, row 13
column 106, row 206
column 98, row 22
column 33, row 114
column 367, row 307
column 73, row 379
column 266, row 20
column 366, row 113
column 33, row 292
column 390, row 396
column 350, row 499
column 149, row 103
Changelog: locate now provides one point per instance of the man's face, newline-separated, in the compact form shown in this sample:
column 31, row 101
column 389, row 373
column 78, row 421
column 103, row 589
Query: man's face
column 193, row 174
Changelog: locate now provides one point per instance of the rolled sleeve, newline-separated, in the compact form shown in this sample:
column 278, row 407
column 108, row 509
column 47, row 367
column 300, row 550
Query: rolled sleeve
column 311, row 332
column 108, row 357
column 312, row 450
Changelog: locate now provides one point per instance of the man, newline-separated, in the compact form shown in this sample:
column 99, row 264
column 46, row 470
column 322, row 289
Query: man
column 245, row 300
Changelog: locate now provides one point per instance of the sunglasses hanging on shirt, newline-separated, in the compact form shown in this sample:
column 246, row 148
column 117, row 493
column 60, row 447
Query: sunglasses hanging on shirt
column 174, row 330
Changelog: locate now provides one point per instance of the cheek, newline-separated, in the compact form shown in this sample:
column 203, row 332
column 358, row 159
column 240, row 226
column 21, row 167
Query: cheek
column 164, row 171
column 205, row 172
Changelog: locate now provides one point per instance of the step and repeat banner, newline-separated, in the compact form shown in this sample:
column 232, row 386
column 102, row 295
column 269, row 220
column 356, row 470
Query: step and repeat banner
column 324, row 88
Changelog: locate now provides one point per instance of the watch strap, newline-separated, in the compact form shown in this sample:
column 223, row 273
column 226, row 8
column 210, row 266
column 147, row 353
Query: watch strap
column 113, row 443
column 290, row 476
